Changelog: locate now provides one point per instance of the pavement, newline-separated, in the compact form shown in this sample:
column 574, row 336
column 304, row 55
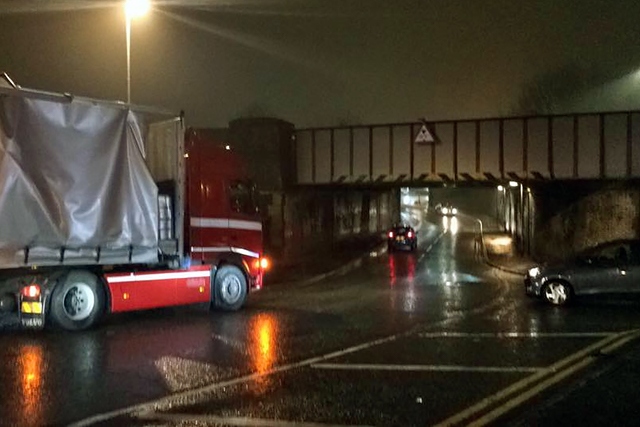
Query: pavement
column 512, row 263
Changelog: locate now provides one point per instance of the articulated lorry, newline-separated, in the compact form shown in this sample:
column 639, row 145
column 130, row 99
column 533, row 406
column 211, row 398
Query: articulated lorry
column 106, row 207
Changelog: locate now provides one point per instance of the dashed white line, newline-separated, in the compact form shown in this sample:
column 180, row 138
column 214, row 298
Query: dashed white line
column 431, row 245
column 228, row 341
column 426, row 368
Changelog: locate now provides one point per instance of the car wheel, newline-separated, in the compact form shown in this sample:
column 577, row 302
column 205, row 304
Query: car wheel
column 78, row 301
column 230, row 288
column 389, row 247
column 557, row 293
column 414, row 246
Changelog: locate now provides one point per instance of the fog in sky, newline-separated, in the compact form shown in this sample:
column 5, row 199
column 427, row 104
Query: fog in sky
column 328, row 62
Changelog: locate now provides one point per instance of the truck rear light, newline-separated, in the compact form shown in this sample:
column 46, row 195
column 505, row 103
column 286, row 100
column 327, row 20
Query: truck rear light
column 391, row 234
column 31, row 291
column 262, row 263
column 410, row 234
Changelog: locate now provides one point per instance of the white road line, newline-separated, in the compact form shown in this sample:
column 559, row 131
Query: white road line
column 426, row 368
column 182, row 397
column 518, row 400
column 230, row 342
column 529, row 382
column 515, row 334
column 431, row 245
column 198, row 394
column 231, row 421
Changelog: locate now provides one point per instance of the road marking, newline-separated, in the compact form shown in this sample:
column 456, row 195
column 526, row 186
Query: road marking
column 571, row 364
column 193, row 395
column 232, row 421
column 426, row 368
column 198, row 394
column 518, row 400
column 230, row 342
column 431, row 245
column 182, row 374
column 515, row 334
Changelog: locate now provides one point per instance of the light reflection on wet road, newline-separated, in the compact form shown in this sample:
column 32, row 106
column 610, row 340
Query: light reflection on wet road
column 30, row 367
column 58, row 378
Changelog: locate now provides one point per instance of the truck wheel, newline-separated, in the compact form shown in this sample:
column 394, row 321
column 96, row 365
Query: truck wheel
column 78, row 301
column 230, row 288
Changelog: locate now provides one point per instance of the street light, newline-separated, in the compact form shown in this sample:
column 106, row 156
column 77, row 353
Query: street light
column 132, row 9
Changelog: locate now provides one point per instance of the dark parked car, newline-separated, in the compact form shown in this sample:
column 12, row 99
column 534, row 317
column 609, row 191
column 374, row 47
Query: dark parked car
column 402, row 236
column 609, row 268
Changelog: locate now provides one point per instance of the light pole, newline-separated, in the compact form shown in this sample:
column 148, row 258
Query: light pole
column 132, row 9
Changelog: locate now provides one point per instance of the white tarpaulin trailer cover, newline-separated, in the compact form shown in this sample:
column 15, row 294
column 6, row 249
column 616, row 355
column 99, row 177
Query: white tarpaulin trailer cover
column 74, row 187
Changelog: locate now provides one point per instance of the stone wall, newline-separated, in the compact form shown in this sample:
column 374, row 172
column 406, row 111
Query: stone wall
column 605, row 213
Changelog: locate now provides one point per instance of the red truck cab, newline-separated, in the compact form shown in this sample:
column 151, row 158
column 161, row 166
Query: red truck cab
column 223, row 222
column 223, row 259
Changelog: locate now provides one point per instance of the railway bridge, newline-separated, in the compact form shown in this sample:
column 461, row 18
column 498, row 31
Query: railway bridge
column 556, row 183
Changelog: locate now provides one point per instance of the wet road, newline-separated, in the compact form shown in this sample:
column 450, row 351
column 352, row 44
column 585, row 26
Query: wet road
column 408, row 339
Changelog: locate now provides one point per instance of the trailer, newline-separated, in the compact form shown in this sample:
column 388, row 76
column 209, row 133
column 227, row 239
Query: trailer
column 107, row 207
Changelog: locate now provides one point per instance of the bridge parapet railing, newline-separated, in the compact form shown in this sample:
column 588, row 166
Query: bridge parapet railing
column 603, row 145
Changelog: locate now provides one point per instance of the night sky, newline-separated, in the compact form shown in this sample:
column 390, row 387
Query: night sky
column 332, row 62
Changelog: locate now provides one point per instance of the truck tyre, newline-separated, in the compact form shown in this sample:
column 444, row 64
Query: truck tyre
column 230, row 288
column 78, row 301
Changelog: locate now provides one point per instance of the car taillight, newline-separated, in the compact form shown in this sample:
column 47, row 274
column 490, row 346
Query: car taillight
column 410, row 234
column 31, row 291
column 391, row 234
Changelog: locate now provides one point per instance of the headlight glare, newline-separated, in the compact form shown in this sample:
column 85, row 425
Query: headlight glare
column 534, row 272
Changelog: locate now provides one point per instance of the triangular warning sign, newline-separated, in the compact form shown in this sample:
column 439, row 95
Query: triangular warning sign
column 424, row 136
